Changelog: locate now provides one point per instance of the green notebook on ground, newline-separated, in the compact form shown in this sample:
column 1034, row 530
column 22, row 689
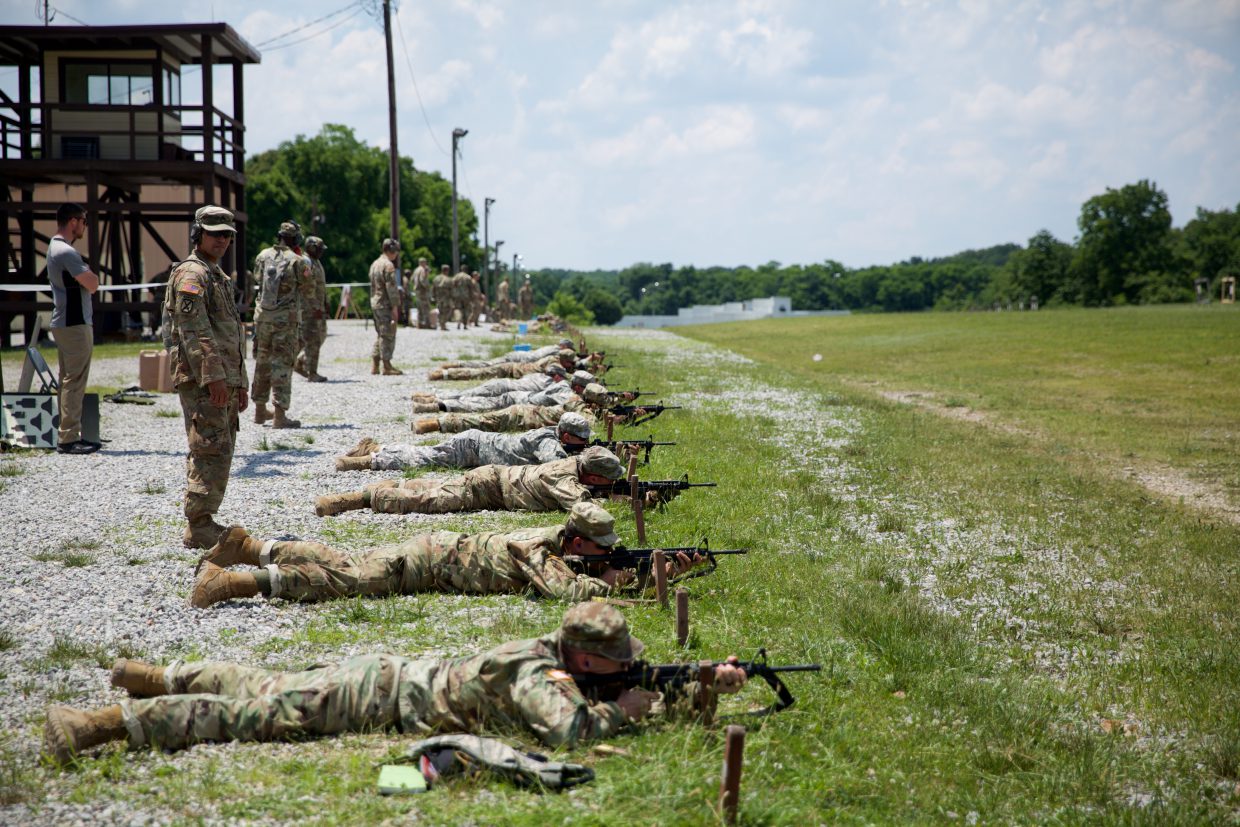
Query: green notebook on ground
column 401, row 779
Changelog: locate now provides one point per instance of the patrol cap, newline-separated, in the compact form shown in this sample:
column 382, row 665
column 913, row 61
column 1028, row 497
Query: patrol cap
column 594, row 523
column 599, row 628
column 315, row 241
column 215, row 219
column 390, row 244
column 289, row 229
column 598, row 460
column 582, row 377
column 575, row 424
column 595, row 394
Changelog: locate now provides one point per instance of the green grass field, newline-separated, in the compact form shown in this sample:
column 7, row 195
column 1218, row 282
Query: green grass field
column 1008, row 632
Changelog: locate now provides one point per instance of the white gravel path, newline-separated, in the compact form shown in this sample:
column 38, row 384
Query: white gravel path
column 122, row 508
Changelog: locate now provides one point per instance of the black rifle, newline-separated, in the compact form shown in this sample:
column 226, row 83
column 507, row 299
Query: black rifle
column 671, row 678
column 640, row 559
column 665, row 489
column 640, row 413
column 633, row 394
column 614, row 445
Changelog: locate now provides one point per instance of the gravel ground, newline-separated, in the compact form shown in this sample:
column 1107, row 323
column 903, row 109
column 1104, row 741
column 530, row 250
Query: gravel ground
column 118, row 512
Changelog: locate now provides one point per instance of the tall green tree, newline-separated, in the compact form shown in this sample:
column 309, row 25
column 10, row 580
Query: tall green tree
column 1124, row 253
column 1043, row 269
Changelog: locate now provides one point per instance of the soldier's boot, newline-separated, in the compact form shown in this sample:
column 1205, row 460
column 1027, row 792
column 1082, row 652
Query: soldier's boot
column 216, row 585
column 202, row 532
column 429, row 425
column 435, row 375
column 70, row 732
column 364, row 448
column 281, row 420
column 299, row 366
column 388, row 370
column 317, row 377
column 140, row 680
column 374, row 366
column 353, row 463
column 420, row 407
column 261, row 414
column 235, row 547
column 330, row 504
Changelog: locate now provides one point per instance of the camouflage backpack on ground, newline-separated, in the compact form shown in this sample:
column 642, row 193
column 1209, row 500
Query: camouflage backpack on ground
column 446, row 755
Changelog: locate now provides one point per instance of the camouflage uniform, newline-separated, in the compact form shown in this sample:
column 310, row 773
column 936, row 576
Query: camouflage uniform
column 313, row 315
column 525, row 298
column 441, row 290
column 553, row 394
column 422, row 291
column 479, row 304
column 548, row 487
column 495, row 387
column 383, row 298
column 470, row 449
column 462, row 297
column 207, row 346
column 509, row 370
column 526, row 560
column 521, row 685
column 503, row 301
column 510, row 356
column 514, row 417
column 277, row 325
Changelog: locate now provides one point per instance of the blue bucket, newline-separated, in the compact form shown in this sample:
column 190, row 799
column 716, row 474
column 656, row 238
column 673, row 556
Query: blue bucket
column 525, row 346
column 522, row 328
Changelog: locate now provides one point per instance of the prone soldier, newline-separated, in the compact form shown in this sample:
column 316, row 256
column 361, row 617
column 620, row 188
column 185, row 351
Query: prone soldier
column 526, row 685
column 507, row 370
column 207, row 348
column 515, row 356
column 384, row 308
column 551, row 486
column 282, row 276
column 555, row 393
column 470, row 449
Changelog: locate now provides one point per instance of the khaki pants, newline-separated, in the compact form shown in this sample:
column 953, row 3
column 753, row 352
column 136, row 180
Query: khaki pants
column 74, row 345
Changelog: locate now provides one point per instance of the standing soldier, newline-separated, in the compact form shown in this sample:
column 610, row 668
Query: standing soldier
column 313, row 312
column 503, row 301
column 385, row 307
column 209, row 369
column 525, row 298
column 479, row 303
column 462, row 296
column 422, row 291
column 442, row 293
column 281, row 275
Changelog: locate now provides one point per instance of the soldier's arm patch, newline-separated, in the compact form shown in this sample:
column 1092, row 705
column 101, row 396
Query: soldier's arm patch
column 191, row 287
column 187, row 304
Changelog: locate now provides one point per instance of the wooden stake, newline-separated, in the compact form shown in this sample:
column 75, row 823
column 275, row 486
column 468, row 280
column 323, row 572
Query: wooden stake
column 639, row 508
column 682, row 617
column 658, row 564
column 611, row 424
column 730, row 785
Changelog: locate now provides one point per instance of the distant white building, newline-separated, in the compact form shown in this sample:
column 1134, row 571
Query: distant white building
column 769, row 308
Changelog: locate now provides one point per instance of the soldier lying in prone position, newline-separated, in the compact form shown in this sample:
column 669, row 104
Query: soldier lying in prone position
column 523, row 685
column 471, row 449
column 516, row 356
column 526, row 560
column 552, row 486
column 523, row 417
column 556, row 393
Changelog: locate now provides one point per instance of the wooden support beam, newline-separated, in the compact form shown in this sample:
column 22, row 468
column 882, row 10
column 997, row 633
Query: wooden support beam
column 730, row 784
column 658, row 566
column 682, row 617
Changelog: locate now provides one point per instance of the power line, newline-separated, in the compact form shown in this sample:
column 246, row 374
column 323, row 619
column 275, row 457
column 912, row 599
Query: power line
column 307, row 25
column 412, row 77
column 337, row 24
column 71, row 17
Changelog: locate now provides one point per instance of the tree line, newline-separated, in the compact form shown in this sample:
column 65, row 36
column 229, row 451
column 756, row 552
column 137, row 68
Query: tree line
column 1127, row 251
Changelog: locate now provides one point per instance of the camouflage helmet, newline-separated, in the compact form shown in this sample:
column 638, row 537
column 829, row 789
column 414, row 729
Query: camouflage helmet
column 567, row 343
column 290, row 229
column 595, row 394
column 215, row 219
column 594, row 523
column 600, row 629
column 557, row 370
column 582, row 377
column 573, row 423
column 314, row 242
column 598, row 460
column 567, row 353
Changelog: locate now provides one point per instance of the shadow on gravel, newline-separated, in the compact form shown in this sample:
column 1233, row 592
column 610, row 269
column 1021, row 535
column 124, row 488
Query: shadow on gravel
column 271, row 463
column 112, row 452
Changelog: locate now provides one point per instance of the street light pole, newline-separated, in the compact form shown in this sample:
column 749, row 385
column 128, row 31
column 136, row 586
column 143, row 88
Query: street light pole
column 393, row 155
column 457, row 134
column 486, row 246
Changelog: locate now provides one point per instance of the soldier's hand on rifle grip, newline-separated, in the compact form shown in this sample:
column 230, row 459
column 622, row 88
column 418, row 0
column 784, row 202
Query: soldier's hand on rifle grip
column 618, row 578
column 651, row 499
column 636, row 703
column 729, row 678
column 682, row 563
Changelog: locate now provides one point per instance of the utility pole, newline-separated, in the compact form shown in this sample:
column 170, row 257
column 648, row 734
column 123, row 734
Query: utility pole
column 47, row 12
column 457, row 134
column 486, row 245
column 393, row 155
column 498, row 244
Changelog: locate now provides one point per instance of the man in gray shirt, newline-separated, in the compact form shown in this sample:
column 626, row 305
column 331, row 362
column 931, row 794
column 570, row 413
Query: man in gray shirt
column 73, row 284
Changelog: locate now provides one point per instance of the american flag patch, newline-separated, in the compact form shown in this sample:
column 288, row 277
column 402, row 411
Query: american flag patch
column 191, row 287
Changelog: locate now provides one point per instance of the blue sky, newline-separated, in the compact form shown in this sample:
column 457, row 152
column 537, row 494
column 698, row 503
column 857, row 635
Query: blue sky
column 617, row 131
